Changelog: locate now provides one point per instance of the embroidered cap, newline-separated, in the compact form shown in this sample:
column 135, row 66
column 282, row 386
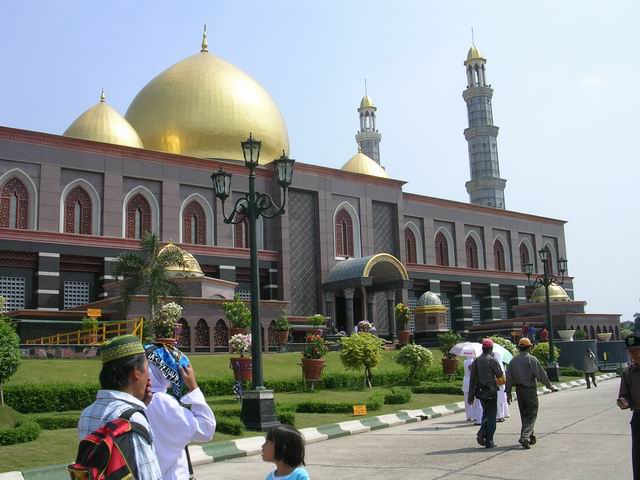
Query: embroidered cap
column 632, row 341
column 120, row 347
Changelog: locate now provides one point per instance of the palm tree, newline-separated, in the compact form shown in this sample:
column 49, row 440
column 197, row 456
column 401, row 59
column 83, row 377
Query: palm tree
column 148, row 272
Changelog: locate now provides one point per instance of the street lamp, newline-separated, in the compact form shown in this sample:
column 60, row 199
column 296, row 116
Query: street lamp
column 547, row 279
column 258, row 407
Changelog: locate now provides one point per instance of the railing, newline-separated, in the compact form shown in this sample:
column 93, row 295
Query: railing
column 92, row 336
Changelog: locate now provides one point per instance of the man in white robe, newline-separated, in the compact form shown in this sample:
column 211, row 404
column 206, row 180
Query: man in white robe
column 474, row 411
column 503, row 405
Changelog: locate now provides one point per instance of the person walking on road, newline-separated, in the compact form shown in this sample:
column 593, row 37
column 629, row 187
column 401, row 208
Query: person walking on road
column 629, row 397
column 485, row 372
column 590, row 367
column 524, row 372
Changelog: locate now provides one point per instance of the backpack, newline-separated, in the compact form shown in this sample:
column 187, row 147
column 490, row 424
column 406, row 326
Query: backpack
column 108, row 453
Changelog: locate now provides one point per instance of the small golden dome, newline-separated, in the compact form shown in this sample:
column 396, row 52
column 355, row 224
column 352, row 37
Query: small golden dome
column 102, row 123
column 203, row 106
column 360, row 163
column 474, row 54
column 366, row 102
column 193, row 267
column 556, row 294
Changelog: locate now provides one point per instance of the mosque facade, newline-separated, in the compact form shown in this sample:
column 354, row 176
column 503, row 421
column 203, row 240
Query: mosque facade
column 351, row 244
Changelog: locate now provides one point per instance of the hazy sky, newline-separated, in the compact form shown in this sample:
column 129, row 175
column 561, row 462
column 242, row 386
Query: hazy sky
column 566, row 79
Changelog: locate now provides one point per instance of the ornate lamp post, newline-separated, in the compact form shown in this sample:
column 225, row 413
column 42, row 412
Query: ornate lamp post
column 547, row 279
column 258, row 407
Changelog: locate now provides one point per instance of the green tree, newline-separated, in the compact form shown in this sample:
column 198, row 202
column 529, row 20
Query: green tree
column 148, row 272
column 416, row 359
column 9, row 353
column 361, row 351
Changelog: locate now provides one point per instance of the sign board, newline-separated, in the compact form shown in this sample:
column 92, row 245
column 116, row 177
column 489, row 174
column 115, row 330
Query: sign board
column 359, row 410
column 94, row 312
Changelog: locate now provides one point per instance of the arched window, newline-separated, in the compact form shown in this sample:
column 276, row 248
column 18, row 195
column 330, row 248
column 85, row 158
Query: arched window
column 498, row 254
column 14, row 205
column 138, row 217
column 549, row 261
column 524, row 256
column 202, row 334
column 185, row 334
column 241, row 234
column 442, row 250
column 78, row 212
column 472, row 252
column 194, row 224
column 344, row 234
column 221, row 334
column 410, row 246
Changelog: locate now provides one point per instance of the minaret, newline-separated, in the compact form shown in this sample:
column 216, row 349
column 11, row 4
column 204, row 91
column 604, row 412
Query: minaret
column 368, row 137
column 485, row 187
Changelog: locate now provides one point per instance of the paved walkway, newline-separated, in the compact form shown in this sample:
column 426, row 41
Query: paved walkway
column 581, row 435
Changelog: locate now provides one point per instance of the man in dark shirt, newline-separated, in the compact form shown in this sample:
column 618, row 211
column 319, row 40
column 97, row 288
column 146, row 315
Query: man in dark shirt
column 629, row 397
column 485, row 371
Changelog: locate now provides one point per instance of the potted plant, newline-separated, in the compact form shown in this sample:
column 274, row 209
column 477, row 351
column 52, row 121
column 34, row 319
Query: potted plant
column 318, row 320
column 312, row 361
column 449, row 361
column 282, row 329
column 403, row 315
column 240, row 344
column 238, row 315
column 90, row 328
column 165, row 323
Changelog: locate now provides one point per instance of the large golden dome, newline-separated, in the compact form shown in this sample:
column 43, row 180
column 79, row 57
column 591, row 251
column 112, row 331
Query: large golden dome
column 364, row 165
column 192, row 266
column 102, row 123
column 204, row 107
column 556, row 294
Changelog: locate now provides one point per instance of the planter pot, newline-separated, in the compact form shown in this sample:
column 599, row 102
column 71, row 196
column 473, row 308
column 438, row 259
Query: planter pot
column 404, row 336
column 241, row 367
column 566, row 335
column 449, row 366
column 165, row 341
column 312, row 368
column 282, row 338
column 603, row 337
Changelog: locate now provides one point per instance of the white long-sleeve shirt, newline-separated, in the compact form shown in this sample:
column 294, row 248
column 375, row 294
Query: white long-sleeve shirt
column 174, row 426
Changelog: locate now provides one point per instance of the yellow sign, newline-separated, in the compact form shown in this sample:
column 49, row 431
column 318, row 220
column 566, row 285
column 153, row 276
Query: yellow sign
column 94, row 312
column 359, row 410
column 605, row 356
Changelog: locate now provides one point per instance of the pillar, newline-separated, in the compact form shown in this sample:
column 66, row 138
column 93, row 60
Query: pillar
column 492, row 303
column 391, row 303
column 330, row 308
column 48, row 289
column 371, row 306
column 462, row 318
column 348, row 296
column 521, row 295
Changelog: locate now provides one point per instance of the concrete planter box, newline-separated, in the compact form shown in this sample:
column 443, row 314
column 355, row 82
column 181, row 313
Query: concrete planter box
column 566, row 335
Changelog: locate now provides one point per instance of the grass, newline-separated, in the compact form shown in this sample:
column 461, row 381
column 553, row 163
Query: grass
column 8, row 417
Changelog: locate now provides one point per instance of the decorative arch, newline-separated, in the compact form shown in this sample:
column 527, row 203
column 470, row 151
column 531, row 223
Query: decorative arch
column 346, row 231
column 154, row 209
column 68, row 207
column 502, row 258
column 271, row 333
column 221, row 334
column 204, row 215
column 553, row 257
column 474, row 251
column 445, row 247
column 184, row 340
column 525, row 251
column 25, row 208
column 202, row 334
column 592, row 333
column 413, row 237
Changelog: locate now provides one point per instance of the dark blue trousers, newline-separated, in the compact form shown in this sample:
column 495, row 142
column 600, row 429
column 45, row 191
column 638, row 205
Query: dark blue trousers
column 489, row 412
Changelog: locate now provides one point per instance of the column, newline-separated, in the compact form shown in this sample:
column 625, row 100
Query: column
column 330, row 308
column 169, row 212
column 492, row 303
column 112, row 205
column 348, row 296
column 371, row 307
column 434, row 286
column 48, row 275
column 461, row 316
column 521, row 295
column 48, row 199
column 391, row 303
column 270, row 291
column 228, row 273
column 192, row 337
column 108, row 264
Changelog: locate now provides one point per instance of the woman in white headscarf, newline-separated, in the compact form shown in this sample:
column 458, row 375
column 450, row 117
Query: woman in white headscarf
column 174, row 426
column 503, row 405
column 473, row 411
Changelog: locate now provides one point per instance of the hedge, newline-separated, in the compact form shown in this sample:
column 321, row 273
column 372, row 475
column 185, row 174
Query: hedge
column 230, row 425
column 438, row 388
column 25, row 431
column 55, row 422
column 50, row 397
column 397, row 397
column 571, row 372
column 314, row 406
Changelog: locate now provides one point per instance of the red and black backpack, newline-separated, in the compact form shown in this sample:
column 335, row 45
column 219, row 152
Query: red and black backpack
column 108, row 453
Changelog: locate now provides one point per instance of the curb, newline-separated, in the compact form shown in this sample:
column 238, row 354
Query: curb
column 218, row 451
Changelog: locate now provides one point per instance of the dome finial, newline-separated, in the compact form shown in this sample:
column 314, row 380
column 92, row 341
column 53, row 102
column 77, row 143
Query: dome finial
column 473, row 39
column 103, row 97
column 205, row 46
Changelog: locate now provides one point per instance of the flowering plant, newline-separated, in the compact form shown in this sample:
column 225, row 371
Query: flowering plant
column 318, row 320
column 166, row 320
column 364, row 326
column 315, row 348
column 240, row 344
column 403, row 314
column 282, row 323
column 237, row 313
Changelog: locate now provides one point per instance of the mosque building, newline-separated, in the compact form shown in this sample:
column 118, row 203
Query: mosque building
column 351, row 244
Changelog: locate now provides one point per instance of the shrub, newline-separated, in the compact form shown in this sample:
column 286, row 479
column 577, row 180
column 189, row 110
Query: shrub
column 315, row 348
column 89, row 323
column 447, row 389
column 287, row 417
column 25, row 431
column 397, row 396
column 315, row 406
column 282, row 323
column 50, row 397
column 361, row 351
column 541, row 352
column 416, row 359
column 240, row 344
column 237, row 313
column 403, row 315
column 446, row 341
column 55, row 422
column 318, row 320
column 9, row 352
column 571, row 372
column 580, row 335
column 508, row 344
column 230, row 425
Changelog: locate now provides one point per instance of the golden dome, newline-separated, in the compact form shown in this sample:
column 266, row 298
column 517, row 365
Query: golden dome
column 102, row 123
column 193, row 267
column 360, row 163
column 556, row 294
column 204, row 107
column 474, row 54
column 366, row 102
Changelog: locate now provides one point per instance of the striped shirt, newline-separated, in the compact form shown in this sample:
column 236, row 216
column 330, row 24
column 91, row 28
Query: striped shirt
column 109, row 405
column 525, row 370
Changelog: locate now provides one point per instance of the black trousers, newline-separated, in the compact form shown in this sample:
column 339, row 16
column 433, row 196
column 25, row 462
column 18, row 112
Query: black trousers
column 635, row 444
column 489, row 413
column 528, row 406
column 590, row 377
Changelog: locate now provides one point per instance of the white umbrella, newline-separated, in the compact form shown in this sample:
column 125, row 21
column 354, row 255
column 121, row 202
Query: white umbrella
column 467, row 349
column 503, row 355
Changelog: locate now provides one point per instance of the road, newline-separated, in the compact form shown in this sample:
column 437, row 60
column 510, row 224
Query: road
column 581, row 435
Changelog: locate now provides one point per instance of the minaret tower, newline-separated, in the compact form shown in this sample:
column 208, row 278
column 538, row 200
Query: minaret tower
column 368, row 137
column 485, row 187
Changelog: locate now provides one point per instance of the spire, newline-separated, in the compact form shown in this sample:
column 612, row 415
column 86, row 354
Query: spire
column 103, row 97
column 205, row 46
column 365, row 88
column 473, row 40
